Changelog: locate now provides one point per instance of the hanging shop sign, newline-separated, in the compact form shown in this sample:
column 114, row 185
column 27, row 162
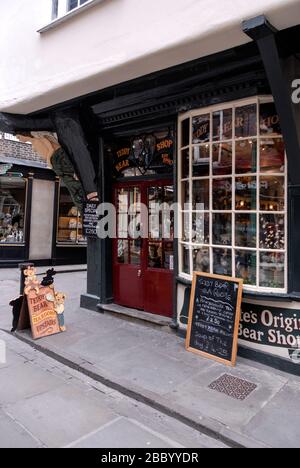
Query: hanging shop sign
column 41, row 309
column 214, row 317
column 90, row 220
column 4, row 168
column 144, row 153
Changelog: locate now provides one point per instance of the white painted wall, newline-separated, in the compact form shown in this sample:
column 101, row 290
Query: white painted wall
column 115, row 41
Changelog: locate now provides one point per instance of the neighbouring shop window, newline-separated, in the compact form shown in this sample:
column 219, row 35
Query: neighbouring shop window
column 143, row 155
column 70, row 229
column 233, row 178
column 12, row 210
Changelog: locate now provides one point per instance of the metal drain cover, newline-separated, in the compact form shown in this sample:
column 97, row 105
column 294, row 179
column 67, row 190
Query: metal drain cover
column 233, row 387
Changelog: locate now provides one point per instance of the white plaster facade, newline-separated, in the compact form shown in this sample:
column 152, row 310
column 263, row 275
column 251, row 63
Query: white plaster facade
column 114, row 41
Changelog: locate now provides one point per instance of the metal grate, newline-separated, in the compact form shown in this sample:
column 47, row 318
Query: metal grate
column 233, row 387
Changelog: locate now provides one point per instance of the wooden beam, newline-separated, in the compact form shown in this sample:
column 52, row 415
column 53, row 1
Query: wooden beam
column 263, row 33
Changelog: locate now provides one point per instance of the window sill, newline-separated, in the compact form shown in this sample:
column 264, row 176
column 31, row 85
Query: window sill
column 62, row 19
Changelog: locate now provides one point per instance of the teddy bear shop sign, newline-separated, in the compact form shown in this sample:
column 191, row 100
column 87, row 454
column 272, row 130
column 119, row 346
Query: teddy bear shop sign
column 45, row 306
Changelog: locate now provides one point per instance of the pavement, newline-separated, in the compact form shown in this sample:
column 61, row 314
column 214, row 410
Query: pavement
column 152, row 368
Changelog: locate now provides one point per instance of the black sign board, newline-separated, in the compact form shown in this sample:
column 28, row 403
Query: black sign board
column 214, row 317
column 90, row 220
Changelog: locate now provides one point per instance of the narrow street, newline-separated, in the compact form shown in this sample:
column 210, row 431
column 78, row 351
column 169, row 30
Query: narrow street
column 45, row 404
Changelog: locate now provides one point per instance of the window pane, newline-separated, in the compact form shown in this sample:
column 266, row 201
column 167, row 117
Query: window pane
column 269, row 120
column 245, row 156
column 272, row 193
column 12, row 209
column 186, row 227
column 185, row 133
column 201, row 260
column 169, row 256
column 272, row 267
column 201, row 129
column 123, row 254
column 135, row 252
column 201, row 195
column 123, row 226
column 272, row 232
column 222, row 229
column 200, row 233
column 245, row 230
column 222, row 159
column 201, row 161
column 222, row 259
column 246, row 266
column 185, row 259
column 155, row 255
column 246, row 121
column 222, row 125
column 272, row 155
column 135, row 200
column 123, row 201
column 245, row 193
column 222, row 194
column 185, row 164
column 185, row 195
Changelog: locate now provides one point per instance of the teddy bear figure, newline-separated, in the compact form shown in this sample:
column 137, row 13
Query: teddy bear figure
column 31, row 281
column 60, row 309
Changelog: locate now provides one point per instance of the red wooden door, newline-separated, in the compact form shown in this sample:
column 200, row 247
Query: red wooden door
column 143, row 267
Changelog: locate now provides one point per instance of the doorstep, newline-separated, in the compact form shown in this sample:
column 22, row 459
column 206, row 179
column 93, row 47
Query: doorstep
column 135, row 315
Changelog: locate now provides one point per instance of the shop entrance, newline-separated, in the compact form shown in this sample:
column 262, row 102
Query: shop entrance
column 143, row 253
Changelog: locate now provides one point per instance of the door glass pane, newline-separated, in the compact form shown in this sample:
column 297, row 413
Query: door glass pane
column 222, row 194
column 272, row 194
column 201, row 195
column 272, row 232
column 245, row 156
column 222, row 159
column 222, row 125
column 134, row 229
column 222, row 259
column 201, row 129
column 123, row 254
column 135, row 252
column 272, row 267
column 155, row 255
column 122, row 226
column 245, row 193
column 169, row 256
column 123, row 201
column 245, row 230
column 222, row 229
column 135, row 200
column 272, row 156
column 201, row 161
column 245, row 266
column 246, row 121
column 201, row 260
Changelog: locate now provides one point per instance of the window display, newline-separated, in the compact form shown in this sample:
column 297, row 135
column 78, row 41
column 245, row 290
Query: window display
column 69, row 221
column 12, row 209
column 237, row 222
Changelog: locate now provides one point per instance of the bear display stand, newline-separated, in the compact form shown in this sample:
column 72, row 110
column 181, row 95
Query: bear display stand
column 40, row 309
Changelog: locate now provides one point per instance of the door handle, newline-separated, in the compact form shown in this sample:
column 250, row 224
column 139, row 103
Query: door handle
column 139, row 273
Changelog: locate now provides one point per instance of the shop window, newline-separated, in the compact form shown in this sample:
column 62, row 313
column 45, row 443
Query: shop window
column 233, row 194
column 12, row 210
column 70, row 230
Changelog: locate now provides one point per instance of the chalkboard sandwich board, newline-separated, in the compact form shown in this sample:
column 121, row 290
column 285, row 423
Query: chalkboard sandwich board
column 214, row 317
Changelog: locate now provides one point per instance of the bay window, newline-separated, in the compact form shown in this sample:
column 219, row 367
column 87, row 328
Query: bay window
column 233, row 193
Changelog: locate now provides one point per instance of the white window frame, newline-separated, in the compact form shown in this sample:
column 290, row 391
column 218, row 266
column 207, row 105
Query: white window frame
column 181, row 244
column 64, row 14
